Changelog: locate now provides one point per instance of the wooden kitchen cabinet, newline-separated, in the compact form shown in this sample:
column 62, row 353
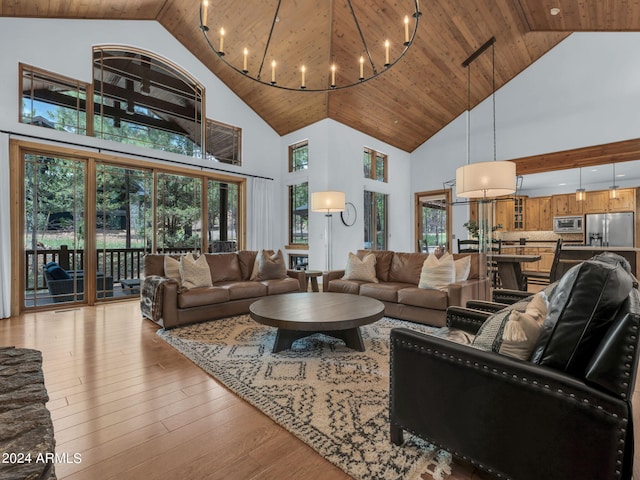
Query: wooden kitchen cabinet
column 531, row 266
column 566, row 204
column 503, row 214
column 532, row 214
column 546, row 259
column 625, row 202
column 546, row 215
column 599, row 201
column 538, row 215
column 544, row 264
column 518, row 213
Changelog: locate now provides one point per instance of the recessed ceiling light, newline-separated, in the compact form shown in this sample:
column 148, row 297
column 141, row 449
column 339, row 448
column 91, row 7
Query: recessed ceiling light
column 620, row 175
column 554, row 11
column 594, row 169
column 561, row 184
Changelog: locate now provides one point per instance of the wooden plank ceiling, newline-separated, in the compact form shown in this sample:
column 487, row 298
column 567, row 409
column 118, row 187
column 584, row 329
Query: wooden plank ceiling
column 405, row 106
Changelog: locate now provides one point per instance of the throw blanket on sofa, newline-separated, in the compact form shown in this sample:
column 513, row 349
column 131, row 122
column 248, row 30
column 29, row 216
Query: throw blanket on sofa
column 151, row 296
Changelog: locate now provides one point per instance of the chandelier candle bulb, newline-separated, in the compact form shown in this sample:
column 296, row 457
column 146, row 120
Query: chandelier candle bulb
column 333, row 75
column 386, row 53
column 361, row 68
column 244, row 60
column 302, row 69
column 222, row 40
column 273, row 71
column 406, row 30
column 205, row 8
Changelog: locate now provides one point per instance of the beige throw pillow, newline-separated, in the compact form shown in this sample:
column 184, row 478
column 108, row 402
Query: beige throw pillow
column 364, row 270
column 463, row 268
column 270, row 267
column 172, row 267
column 437, row 273
column 522, row 330
column 196, row 273
column 520, row 335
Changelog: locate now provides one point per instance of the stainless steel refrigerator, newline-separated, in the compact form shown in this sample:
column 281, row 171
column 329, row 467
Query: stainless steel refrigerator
column 609, row 229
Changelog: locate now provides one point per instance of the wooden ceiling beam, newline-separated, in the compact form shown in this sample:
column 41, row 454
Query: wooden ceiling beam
column 624, row 151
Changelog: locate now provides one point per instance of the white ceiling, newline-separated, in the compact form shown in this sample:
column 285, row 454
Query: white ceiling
column 593, row 178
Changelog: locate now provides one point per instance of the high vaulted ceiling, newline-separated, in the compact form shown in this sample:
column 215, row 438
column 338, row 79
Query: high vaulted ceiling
column 403, row 107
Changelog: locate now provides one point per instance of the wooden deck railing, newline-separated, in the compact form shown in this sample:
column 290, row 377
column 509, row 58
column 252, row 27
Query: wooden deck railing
column 118, row 263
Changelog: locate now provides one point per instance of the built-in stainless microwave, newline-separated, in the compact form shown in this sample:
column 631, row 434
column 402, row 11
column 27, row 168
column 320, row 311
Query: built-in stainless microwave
column 569, row 224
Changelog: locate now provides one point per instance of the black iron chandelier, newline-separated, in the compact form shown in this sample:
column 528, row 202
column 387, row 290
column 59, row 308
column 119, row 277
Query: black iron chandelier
column 367, row 63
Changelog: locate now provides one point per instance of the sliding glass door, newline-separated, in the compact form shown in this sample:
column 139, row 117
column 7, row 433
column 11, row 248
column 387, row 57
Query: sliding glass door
column 124, row 228
column 179, row 213
column 54, row 229
column 86, row 223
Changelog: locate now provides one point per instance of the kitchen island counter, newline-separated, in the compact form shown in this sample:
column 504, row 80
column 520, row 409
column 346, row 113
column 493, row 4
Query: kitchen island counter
column 571, row 255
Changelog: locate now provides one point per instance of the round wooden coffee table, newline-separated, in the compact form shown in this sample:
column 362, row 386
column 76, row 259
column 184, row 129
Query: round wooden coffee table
column 299, row 315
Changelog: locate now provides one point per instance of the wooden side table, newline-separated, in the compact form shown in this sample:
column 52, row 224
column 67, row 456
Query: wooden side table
column 312, row 278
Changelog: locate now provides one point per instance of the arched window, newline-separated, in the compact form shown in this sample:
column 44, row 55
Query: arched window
column 144, row 100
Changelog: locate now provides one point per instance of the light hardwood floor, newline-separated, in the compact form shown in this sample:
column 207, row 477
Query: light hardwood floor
column 134, row 408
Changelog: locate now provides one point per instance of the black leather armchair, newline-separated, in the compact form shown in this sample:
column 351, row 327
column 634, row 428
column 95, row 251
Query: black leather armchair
column 519, row 419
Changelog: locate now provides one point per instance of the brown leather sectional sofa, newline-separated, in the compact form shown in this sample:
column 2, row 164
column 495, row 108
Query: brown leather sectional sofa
column 398, row 277
column 231, row 294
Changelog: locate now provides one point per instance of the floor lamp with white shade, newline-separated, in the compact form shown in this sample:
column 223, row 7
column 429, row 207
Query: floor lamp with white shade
column 328, row 202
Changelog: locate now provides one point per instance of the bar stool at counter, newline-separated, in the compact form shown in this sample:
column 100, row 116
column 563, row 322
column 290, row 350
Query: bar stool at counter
column 543, row 278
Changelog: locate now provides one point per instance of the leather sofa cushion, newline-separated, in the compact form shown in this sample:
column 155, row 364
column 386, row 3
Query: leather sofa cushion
column 419, row 297
column 197, row 297
column 284, row 285
column 224, row 267
column 154, row 265
column 246, row 259
column 406, row 267
column 383, row 262
column 385, row 292
column 346, row 286
column 239, row 290
column 582, row 308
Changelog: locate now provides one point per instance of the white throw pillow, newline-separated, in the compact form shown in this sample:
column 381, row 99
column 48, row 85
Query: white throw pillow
column 364, row 269
column 463, row 268
column 437, row 273
column 195, row 273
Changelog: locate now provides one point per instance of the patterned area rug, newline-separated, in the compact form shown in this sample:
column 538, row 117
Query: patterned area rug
column 331, row 397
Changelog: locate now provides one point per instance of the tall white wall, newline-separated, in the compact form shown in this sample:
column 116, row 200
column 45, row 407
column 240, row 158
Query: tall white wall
column 65, row 47
column 336, row 163
column 585, row 91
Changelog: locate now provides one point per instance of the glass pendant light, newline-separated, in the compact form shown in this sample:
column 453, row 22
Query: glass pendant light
column 613, row 189
column 581, row 193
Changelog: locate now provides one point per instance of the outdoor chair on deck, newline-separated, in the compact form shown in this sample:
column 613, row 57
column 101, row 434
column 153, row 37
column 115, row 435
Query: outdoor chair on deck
column 63, row 284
